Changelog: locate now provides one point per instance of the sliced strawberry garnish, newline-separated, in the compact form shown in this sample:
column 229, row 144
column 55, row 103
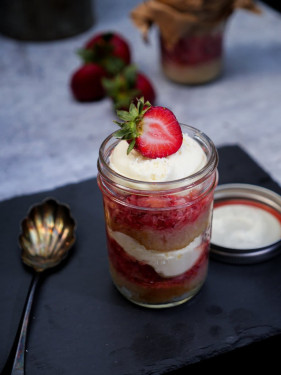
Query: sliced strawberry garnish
column 161, row 134
column 153, row 131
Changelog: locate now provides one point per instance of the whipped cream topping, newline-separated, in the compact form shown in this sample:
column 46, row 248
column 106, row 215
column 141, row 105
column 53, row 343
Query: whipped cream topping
column 241, row 226
column 167, row 264
column 189, row 159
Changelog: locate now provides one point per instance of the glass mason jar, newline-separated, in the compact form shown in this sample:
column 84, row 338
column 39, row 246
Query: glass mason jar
column 196, row 58
column 158, row 233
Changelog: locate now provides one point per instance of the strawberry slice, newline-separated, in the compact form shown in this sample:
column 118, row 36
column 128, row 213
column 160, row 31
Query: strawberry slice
column 153, row 131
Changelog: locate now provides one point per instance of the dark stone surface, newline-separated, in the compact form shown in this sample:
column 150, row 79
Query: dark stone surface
column 81, row 325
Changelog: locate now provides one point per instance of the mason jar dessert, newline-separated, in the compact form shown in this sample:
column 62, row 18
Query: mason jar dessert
column 191, row 34
column 157, row 189
column 196, row 58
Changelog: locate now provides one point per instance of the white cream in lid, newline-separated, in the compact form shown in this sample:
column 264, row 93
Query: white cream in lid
column 244, row 226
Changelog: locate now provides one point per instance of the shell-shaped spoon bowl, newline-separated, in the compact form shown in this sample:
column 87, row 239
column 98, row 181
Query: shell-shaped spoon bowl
column 48, row 232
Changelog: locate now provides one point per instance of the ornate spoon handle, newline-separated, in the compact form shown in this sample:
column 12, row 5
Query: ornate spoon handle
column 15, row 363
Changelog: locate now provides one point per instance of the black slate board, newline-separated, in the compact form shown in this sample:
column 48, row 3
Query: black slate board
column 81, row 325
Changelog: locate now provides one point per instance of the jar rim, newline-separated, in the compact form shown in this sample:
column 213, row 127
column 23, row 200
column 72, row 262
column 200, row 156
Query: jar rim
column 173, row 185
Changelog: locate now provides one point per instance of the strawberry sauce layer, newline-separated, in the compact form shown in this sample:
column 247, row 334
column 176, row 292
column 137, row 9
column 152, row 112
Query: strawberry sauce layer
column 143, row 274
column 193, row 50
column 181, row 211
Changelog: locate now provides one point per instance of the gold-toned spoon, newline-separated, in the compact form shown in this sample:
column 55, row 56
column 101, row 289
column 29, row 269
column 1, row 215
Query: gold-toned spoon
column 48, row 232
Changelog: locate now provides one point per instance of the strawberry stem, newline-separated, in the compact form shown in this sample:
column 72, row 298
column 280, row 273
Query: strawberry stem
column 131, row 122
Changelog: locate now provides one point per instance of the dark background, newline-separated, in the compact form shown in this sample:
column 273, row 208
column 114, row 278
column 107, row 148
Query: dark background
column 274, row 4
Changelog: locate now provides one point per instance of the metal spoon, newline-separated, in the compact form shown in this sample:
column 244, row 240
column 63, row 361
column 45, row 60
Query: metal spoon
column 48, row 232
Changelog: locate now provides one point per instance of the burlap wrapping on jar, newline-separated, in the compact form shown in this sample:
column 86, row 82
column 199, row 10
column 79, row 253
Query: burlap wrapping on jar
column 177, row 17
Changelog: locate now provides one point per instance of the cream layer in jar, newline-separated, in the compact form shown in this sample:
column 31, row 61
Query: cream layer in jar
column 166, row 264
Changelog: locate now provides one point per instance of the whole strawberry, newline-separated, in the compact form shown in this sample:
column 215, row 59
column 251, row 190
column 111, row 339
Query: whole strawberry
column 86, row 83
column 127, row 86
column 108, row 49
column 153, row 131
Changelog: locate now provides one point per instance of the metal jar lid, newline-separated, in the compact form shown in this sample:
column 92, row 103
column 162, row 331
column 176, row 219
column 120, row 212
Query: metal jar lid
column 266, row 203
